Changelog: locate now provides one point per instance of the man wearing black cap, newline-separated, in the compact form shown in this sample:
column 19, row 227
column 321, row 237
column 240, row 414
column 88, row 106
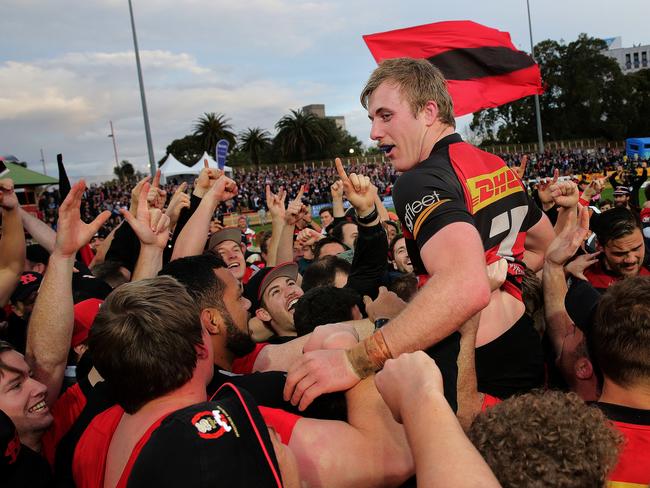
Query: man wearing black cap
column 622, row 197
column 274, row 293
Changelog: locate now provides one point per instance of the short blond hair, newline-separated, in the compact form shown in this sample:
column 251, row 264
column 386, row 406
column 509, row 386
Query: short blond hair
column 418, row 81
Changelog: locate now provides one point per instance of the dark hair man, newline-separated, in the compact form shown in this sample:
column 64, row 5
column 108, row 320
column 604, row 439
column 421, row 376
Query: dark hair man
column 619, row 344
column 622, row 248
column 274, row 293
column 399, row 255
column 327, row 271
column 326, row 305
column 459, row 206
column 326, row 218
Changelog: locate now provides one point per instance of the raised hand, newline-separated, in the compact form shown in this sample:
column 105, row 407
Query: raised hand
column 594, row 188
column 151, row 225
column 578, row 266
column 521, row 169
column 565, row 245
column 8, row 198
column 308, row 237
column 565, row 194
column 275, row 202
column 544, row 189
column 156, row 197
column 337, row 190
column 387, row 305
column 296, row 210
column 358, row 189
column 179, row 201
column 223, row 189
column 135, row 194
column 206, row 180
column 72, row 234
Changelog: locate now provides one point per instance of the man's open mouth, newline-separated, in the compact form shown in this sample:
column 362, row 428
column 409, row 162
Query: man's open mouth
column 292, row 304
column 40, row 406
column 386, row 148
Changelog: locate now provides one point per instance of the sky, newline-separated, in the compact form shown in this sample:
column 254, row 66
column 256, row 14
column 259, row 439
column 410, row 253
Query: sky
column 68, row 67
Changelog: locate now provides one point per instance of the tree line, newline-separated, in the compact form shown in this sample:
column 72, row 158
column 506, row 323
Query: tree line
column 300, row 136
column 586, row 96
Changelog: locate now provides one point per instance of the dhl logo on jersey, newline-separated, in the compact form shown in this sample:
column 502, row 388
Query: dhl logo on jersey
column 488, row 188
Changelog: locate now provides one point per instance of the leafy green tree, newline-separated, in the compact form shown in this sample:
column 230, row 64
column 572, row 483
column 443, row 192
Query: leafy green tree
column 211, row 127
column 187, row 150
column 586, row 96
column 254, row 142
column 299, row 134
column 124, row 171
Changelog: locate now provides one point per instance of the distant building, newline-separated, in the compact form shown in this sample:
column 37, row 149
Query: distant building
column 630, row 59
column 318, row 109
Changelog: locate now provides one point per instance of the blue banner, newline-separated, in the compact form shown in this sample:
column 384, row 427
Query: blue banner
column 222, row 153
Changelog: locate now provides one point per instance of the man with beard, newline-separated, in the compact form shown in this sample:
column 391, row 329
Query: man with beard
column 224, row 314
column 622, row 249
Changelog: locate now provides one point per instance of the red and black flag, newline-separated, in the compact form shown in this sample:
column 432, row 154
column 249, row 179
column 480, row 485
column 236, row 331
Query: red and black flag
column 482, row 67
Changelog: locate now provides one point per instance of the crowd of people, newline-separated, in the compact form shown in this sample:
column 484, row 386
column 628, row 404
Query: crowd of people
column 494, row 332
column 115, row 194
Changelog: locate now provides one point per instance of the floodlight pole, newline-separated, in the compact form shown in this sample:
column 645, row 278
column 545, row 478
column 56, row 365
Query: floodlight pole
column 540, row 139
column 112, row 136
column 145, row 115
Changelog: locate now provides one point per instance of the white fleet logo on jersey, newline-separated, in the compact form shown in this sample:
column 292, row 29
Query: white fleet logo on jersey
column 212, row 424
column 417, row 212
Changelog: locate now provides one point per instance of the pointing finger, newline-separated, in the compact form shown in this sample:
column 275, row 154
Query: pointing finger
column 181, row 188
column 156, row 179
column 339, row 168
column 205, row 163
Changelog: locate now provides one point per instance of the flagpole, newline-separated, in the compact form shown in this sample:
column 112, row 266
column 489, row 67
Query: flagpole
column 145, row 115
column 540, row 139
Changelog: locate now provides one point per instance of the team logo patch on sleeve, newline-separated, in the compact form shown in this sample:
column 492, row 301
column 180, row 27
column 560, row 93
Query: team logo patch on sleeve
column 415, row 213
column 212, row 424
column 488, row 188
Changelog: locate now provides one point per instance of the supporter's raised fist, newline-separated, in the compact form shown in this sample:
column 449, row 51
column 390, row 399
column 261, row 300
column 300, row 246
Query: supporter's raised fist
column 403, row 380
column 358, row 189
column 223, row 189
column 308, row 237
column 8, row 198
column 544, row 189
column 565, row 194
column 206, row 180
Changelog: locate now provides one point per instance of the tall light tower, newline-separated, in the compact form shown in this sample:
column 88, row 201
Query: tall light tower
column 145, row 114
column 540, row 139
column 112, row 136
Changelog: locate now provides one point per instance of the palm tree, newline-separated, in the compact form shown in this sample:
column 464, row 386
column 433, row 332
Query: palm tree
column 211, row 127
column 299, row 133
column 254, row 141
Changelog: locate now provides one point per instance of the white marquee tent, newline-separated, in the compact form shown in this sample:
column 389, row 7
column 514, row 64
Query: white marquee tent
column 198, row 166
column 174, row 167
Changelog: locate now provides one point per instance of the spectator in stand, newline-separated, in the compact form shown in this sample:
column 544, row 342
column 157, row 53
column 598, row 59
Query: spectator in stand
column 247, row 232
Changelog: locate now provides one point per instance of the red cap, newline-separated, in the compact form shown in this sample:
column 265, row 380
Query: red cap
column 645, row 216
column 84, row 316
